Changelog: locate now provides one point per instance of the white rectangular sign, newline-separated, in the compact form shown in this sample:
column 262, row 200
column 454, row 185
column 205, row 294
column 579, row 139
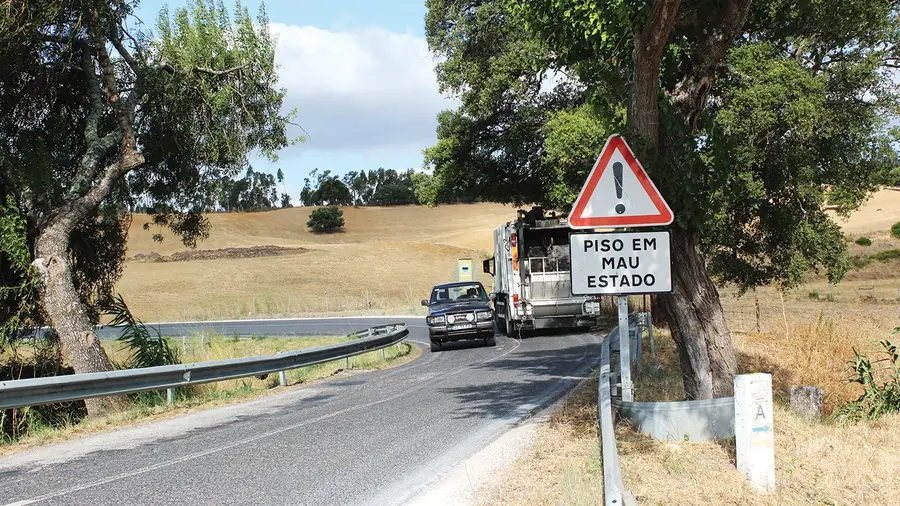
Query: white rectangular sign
column 620, row 263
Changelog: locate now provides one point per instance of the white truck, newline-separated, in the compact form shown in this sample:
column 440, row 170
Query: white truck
column 532, row 282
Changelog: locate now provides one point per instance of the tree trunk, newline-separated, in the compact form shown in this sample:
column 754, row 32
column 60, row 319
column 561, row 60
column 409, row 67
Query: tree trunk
column 697, row 322
column 60, row 300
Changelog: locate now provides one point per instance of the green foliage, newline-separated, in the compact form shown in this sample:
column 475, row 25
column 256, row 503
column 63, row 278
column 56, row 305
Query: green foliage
column 329, row 190
column 880, row 396
column 394, row 194
column 42, row 359
column 146, row 350
column 425, row 187
column 814, row 295
column 884, row 256
column 18, row 300
column 895, row 230
column 254, row 192
column 326, row 220
column 863, row 241
column 782, row 128
column 860, row 261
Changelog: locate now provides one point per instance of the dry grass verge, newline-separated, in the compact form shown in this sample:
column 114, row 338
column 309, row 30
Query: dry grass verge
column 210, row 395
column 817, row 462
column 564, row 464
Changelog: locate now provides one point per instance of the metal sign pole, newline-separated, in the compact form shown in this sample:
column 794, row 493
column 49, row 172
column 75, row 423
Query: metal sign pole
column 625, row 350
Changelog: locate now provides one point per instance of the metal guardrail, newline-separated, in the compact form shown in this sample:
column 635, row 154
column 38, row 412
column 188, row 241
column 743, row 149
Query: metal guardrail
column 30, row 392
column 614, row 490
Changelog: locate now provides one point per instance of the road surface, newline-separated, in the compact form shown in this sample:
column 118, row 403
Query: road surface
column 370, row 438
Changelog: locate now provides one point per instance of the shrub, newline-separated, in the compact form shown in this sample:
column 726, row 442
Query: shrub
column 884, row 256
column 326, row 219
column 860, row 261
column 895, row 230
column 814, row 294
column 864, row 241
column 146, row 350
column 881, row 385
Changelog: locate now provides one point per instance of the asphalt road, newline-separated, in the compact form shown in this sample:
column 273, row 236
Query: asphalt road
column 370, row 438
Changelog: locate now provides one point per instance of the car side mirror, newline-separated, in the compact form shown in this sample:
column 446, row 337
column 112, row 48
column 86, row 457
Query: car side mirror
column 424, row 302
column 493, row 296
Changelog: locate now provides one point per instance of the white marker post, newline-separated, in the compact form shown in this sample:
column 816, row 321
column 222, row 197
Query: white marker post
column 753, row 429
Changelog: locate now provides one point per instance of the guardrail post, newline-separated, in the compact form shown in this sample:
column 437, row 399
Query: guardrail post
column 625, row 351
column 282, row 378
column 383, row 356
column 170, row 396
column 347, row 363
column 650, row 333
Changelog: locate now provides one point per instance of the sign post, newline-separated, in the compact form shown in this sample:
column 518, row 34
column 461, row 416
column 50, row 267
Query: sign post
column 618, row 194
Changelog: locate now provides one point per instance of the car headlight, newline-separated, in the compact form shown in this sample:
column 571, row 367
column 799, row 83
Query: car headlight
column 470, row 317
column 451, row 319
column 483, row 315
column 435, row 320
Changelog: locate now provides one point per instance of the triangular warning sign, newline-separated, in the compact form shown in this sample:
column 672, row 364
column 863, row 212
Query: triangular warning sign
column 618, row 193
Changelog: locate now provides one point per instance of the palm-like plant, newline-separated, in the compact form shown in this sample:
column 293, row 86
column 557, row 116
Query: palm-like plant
column 146, row 350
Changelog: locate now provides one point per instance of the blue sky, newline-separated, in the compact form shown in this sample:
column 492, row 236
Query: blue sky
column 360, row 76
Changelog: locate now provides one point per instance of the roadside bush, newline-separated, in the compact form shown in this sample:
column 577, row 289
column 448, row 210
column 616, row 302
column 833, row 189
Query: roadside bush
column 39, row 360
column 884, row 256
column 895, row 230
column 814, row 294
column 864, row 241
column 881, row 385
column 326, row 219
column 860, row 261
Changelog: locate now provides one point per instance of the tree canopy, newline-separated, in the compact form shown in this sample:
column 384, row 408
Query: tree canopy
column 98, row 113
column 800, row 108
column 747, row 116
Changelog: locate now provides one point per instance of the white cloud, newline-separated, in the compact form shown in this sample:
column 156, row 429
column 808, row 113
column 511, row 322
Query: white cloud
column 360, row 90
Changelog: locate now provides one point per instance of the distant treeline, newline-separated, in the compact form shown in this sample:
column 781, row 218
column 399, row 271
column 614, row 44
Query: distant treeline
column 259, row 191
column 381, row 187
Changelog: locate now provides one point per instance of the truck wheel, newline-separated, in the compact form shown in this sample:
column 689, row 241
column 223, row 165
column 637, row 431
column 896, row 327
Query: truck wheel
column 490, row 341
column 435, row 346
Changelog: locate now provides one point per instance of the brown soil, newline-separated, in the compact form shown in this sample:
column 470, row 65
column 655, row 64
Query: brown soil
column 218, row 254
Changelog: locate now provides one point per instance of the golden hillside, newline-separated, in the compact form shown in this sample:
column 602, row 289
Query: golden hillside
column 385, row 260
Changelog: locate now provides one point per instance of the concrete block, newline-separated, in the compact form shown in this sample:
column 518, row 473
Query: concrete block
column 806, row 401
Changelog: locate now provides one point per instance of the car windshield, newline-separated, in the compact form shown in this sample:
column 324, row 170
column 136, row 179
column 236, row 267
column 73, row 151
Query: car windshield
column 444, row 294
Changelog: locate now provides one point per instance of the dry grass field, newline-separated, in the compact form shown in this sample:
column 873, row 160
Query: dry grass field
column 384, row 261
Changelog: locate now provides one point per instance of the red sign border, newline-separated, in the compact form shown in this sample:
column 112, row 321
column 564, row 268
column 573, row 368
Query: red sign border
column 664, row 215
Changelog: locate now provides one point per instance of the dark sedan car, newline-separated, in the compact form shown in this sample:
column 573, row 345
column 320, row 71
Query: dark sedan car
column 459, row 311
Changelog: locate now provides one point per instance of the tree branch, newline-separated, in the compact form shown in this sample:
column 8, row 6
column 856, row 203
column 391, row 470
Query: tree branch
column 206, row 70
column 123, row 52
column 690, row 93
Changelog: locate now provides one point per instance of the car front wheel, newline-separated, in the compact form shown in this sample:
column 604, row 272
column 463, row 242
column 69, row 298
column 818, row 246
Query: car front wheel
column 435, row 346
column 490, row 341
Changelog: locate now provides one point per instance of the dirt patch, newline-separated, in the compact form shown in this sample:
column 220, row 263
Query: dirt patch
column 218, row 254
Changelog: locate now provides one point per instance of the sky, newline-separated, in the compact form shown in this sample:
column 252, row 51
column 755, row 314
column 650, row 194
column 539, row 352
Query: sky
column 360, row 76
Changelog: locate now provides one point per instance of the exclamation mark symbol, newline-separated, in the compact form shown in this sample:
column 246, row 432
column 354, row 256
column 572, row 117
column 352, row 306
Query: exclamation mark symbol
column 617, row 173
